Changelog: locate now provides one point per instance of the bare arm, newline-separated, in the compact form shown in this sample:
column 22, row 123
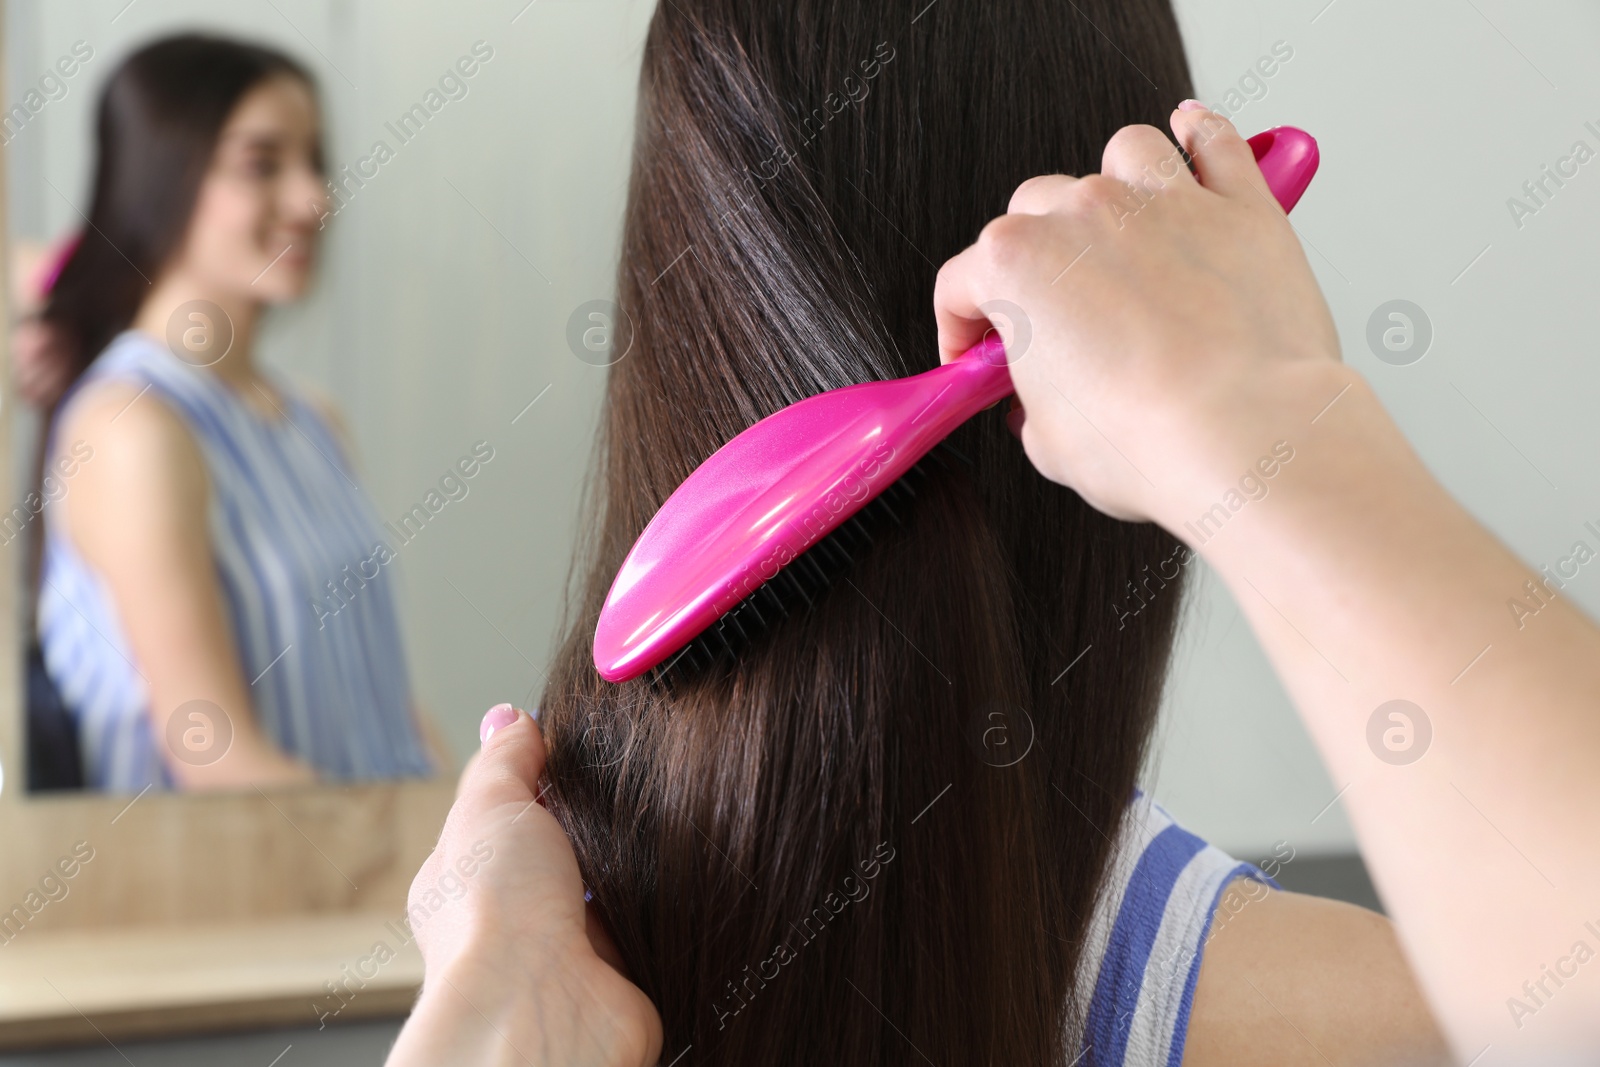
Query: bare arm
column 1367, row 583
column 1289, row 980
column 137, row 512
column 1179, row 341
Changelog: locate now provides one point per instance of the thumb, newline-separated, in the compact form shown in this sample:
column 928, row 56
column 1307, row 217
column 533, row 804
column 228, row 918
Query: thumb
column 509, row 764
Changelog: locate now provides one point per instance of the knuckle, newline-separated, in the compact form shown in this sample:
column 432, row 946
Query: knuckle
column 1005, row 236
column 1039, row 191
column 1132, row 140
column 1137, row 132
column 1098, row 190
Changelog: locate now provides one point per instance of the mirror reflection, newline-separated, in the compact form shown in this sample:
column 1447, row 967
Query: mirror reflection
column 211, row 604
column 264, row 528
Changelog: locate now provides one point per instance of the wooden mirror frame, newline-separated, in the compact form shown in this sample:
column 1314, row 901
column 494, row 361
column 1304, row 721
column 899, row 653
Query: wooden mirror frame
column 186, row 913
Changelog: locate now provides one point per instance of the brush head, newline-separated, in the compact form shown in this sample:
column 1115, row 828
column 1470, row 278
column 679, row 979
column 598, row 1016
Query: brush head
column 763, row 500
column 798, row 586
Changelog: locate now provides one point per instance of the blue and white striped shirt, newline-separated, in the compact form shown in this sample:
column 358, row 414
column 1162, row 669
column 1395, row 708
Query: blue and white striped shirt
column 295, row 547
column 1147, row 936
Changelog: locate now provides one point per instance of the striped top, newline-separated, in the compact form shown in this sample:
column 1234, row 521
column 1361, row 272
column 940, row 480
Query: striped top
column 1146, row 938
column 304, row 577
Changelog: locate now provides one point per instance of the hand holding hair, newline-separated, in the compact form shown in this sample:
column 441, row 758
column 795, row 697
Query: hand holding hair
column 39, row 363
column 513, row 974
column 1179, row 339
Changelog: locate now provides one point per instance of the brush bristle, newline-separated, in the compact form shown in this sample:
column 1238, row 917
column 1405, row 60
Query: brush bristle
column 798, row 585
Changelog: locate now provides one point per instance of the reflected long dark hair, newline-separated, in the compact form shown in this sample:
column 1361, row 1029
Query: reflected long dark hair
column 827, row 855
column 156, row 131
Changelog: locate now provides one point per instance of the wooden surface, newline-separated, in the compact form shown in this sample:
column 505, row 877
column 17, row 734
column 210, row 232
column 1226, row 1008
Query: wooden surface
column 206, row 913
column 81, row 986
column 201, row 858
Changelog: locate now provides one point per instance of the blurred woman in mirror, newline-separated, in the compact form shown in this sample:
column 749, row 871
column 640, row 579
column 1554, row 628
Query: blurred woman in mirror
column 208, row 611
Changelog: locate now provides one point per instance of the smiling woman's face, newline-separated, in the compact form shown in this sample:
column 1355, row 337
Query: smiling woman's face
column 256, row 220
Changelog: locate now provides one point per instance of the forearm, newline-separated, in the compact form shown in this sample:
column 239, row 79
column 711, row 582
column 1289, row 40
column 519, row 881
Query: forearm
column 1366, row 583
column 250, row 758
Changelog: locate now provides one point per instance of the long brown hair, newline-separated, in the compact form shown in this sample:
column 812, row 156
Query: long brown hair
column 828, row 854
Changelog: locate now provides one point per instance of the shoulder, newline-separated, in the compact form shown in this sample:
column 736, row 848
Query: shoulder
column 131, row 456
column 127, row 421
column 1291, row 979
column 120, row 407
column 1203, row 960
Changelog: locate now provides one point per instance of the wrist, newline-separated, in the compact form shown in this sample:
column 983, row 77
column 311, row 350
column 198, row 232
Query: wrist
column 545, row 1007
column 1290, row 436
column 1344, row 475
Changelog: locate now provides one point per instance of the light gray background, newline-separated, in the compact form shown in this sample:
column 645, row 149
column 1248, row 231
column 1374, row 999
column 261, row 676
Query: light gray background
column 443, row 307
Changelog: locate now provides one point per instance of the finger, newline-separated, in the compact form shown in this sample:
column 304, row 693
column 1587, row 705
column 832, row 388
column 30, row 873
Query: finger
column 1224, row 160
column 461, row 779
column 956, row 295
column 1041, row 194
column 1144, row 158
column 507, row 770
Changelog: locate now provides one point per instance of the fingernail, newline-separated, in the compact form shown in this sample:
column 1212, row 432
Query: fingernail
column 501, row 715
column 1191, row 105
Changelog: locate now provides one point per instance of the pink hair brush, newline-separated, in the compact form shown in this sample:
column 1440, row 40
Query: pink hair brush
column 763, row 525
column 54, row 262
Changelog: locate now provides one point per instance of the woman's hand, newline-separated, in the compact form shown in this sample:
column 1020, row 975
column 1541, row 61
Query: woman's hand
column 40, row 365
column 1206, row 320
column 498, row 910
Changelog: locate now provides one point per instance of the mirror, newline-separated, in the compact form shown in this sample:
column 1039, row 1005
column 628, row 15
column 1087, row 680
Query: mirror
column 475, row 163
column 356, row 346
